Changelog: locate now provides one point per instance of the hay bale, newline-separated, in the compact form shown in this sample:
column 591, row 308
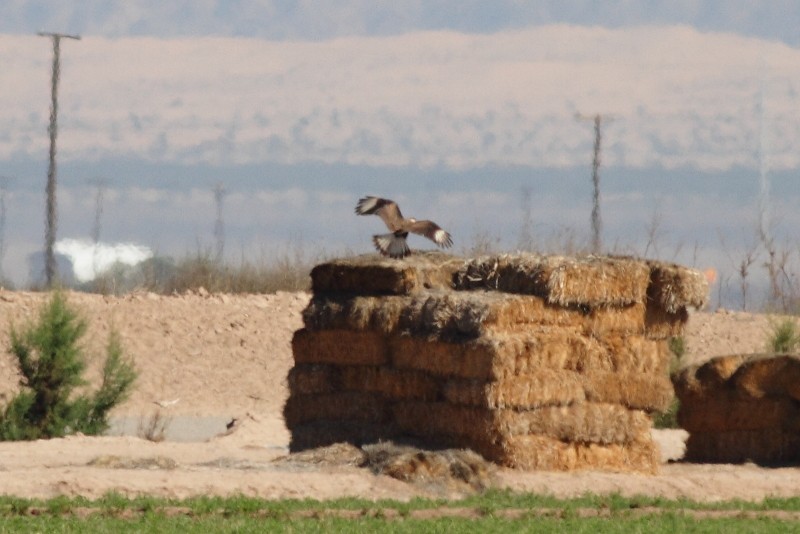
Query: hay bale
column 766, row 375
column 651, row 392
column 764, row 447
column 550, row 387
column 326, row 432
column 468, row 315
column 728, row 410
column 584, row 422
column 340, row 405
column 308, row 379
column 674, row 288
column 661, row 324
column 378, row 314
column 342, row 347
column 375, row 275
column 546, row 453
column 542, row 387
column 313, row 379
column 565, row 281
column 702, row 379
column 503, row 356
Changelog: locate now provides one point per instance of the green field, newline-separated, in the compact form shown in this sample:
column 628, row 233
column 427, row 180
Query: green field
column 494, row 511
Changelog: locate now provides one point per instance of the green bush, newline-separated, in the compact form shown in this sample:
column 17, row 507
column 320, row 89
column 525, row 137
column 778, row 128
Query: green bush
column 784, row 337
column 51, row 363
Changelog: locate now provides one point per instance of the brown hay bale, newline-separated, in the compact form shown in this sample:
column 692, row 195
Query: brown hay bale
column 343, row 347
column 764, row 447
column 585, row 422
column 542, row 387
column 465, row 315
column 326, row 432
column 546, row 453
column 769, row 375
column 378, row 314
column 728, row 410
column 636, row 391
column 710, row 376
column 549, row 387
column 340, row 405
column 565, row 281
column 375, row 275
column 312, row 379
column 309, row 379
column 391, row 383
column 502, row 356
column 674, row 288
column 661, row 324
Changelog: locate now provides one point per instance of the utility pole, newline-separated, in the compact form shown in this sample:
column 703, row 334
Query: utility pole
column 219, row 228
column 100, row 189
column 596, row 220
column 4, row 181
column 50, row 230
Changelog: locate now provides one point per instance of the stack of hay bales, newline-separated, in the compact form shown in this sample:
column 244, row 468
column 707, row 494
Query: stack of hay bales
column 742, row 408
column 535, row 362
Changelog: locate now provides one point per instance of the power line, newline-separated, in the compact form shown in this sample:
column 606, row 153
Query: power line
column 50, row 190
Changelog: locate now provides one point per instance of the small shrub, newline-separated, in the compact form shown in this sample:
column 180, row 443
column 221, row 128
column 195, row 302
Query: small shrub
column 154, row 428
column 52, row 364
column 784, row 337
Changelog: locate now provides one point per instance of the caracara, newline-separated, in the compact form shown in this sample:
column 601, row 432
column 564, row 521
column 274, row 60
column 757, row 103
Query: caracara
column 394, row 244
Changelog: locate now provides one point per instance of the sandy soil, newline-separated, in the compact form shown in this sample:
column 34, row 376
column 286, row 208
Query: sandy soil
column 226, row 357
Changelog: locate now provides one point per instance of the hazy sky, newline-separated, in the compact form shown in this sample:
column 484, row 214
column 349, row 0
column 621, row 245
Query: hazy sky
column 464, row 111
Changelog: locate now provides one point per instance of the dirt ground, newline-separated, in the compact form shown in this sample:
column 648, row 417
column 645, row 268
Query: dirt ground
column 208, row 357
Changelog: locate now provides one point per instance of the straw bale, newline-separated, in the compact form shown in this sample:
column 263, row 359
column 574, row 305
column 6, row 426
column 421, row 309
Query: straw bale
column 769, row 375
column 349, row 405
column 542, row 387
column 590, row 280
column 312, row 378
column 326, row 432
column 674, row 288
column 764, row 447
column 550, row 387
column 501, row 356
column 707, row 377
column 469, row 315
column 637, row 391
column 661, row 324
column 728, row 410
column 535, row 452
column 586, row 422
column 375, row 275
column 343, row 347
column 464, row 315
column 309, row 379
column 390, row 383
column 379, row 314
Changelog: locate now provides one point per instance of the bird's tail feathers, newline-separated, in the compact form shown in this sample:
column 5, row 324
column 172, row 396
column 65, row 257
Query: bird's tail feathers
column 391, row 245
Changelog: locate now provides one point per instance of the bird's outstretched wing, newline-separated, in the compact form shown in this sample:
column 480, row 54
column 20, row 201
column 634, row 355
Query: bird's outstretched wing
column 432, row 231
column 384, row 208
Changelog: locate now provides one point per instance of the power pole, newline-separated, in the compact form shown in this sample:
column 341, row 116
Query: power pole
column 596, row 220
column 4, row 181
column 50, row 230
column 219, row 227
column 100, row 189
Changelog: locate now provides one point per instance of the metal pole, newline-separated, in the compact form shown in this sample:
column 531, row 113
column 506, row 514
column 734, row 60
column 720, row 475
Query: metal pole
column 50, row 190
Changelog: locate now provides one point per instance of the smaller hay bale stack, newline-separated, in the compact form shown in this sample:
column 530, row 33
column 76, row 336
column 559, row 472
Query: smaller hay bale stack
column 742, row 408
column 535, row 362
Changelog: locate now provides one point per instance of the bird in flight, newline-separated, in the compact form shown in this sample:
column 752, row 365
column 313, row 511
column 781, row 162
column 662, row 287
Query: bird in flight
column 394, row 243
